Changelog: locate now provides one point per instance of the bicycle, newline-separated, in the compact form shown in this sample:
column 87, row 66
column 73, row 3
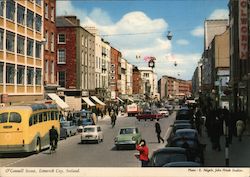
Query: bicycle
column 53, row 146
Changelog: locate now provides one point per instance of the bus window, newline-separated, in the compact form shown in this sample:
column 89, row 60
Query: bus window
column 31, row 120
column 45, row 117
column 40, row 117
column 3, row 117
column 35, row 118
column 52, row 115
column 15, row 117
column 49, row 115
column 57, row 115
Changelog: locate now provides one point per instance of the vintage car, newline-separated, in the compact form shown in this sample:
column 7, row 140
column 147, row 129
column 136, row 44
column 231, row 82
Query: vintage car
column 127, row 136
column 92, row 133
column 184, row 114
column 70, row 126
column 163, row 111
column 149, row 114
column 166, row 155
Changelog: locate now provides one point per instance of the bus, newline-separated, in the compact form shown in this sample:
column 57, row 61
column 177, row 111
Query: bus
column 25, row 128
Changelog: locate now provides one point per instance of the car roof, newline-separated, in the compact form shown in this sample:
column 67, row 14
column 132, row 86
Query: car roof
column 91, row 126
column 186, row 130
column 182, row 164
column 170, row 149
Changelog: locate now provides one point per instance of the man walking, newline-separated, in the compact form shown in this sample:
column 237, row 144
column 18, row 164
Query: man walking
column 158, row 132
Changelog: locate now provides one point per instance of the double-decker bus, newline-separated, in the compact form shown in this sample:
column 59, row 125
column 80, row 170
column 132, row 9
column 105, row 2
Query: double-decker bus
column 25, row 128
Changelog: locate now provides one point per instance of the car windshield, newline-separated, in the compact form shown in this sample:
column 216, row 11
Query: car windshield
column 126, row 131
column 89, row 129
column 65, row 124
column 185, row 134
column 163, row 158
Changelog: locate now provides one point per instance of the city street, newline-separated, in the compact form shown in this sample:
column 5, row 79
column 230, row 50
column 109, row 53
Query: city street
column 71, row 153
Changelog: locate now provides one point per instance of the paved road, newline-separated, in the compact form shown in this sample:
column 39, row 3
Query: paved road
column 71, row 153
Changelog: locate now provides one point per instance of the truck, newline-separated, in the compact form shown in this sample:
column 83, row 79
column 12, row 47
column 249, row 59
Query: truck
column 133, row 109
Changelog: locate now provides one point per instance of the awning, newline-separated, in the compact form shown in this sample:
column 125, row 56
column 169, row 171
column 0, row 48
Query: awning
column 130, row 99
column 58, row 101
column 98, row 101
column 88, row 101
column 120, row 99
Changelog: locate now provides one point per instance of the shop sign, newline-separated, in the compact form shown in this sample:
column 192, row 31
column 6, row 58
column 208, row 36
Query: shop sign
column 243, row 29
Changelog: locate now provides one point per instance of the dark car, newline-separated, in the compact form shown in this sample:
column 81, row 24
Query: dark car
column 166, row 155
column 194, row 147
column 184, row 114
column 183, row 164
column 182, row 121
column 181, row 126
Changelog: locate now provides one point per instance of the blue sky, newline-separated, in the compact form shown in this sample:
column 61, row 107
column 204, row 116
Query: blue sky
column 184, row 18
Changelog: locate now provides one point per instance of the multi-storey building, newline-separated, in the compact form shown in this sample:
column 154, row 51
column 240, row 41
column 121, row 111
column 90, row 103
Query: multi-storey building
column 115, row 78
column 50, row 51
column 75, row 57
column 21, row 50
column 239, row 18
column 129, row 79
column 137, row 81
column 123, row 76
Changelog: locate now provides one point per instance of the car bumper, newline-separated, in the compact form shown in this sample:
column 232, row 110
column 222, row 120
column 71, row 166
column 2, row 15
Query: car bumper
column 125, row 143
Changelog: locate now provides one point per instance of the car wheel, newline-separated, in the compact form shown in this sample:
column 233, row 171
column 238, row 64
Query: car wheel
column 151, row 119
column 158, row 119
column 145, row 119
column 38, row 146
column 117, row 147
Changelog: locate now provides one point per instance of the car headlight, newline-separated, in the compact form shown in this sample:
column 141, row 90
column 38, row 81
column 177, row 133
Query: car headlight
column 133, row 138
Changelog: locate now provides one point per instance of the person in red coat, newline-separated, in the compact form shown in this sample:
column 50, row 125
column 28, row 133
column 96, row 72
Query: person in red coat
column 143, row 150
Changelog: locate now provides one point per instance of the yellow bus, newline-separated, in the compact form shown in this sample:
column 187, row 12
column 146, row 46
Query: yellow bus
column 25, row 128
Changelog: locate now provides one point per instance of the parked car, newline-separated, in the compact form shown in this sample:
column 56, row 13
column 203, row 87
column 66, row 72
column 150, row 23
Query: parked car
column 70, row 127
column 163, row 111
column 166, row 155
column 92, row 133
column 127, row 136
column 149, row 114
column 183, row 164
column 195, row 148
column 182, row 121
column 63, row 133
column 184, row 114
column 181, row 126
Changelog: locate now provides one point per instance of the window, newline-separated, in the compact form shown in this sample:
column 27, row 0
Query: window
column 52, row 42
column 10, row 73
column 40, row 117
column 62, row 78
column 30, row 19
column 38, row 22
column 52, row 14
column 46, row 70
column 38, row 76
column 38, row 2
column 1, row 7
column 46, row 11
column 10, row 41
column 52, row 71
column 30, row 75
column 20, row 74
column 1, row 72
column 46, row 38
column 20, row 14
column 61, row 56
column 38, row 50
column 4, row 117
column 30, row 44
column 1, row 39
column 15, row 117
column 145, row 74
column 10, row 10
column 61, row 39
column 20, row 44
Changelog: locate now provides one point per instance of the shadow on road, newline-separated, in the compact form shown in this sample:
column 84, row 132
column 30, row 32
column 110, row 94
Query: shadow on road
column 16, row 155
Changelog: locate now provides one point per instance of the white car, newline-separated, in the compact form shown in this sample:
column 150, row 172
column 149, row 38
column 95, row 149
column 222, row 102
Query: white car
column 92, row 133
column 163, row 111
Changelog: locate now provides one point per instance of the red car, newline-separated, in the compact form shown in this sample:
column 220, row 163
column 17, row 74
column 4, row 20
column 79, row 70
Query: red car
column 149, row 114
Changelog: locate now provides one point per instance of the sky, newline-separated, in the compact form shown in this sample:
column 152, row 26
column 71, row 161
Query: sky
column 140, row 27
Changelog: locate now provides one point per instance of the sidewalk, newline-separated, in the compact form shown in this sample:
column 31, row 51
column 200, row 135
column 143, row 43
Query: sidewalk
column 239, row 152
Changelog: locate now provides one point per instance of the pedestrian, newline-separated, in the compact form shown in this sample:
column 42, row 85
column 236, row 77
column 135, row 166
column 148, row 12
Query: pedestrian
column 240, row 128
column 94, row 118
column 216, row 133
column 158, row 132
column 113, row 118
column 143, row 150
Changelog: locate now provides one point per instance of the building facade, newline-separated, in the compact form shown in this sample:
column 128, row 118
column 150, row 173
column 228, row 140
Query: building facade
column 137, row 81
column 21, row 51
column 50, row 51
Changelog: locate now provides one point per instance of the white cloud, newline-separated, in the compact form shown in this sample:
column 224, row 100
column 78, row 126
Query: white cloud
column 182, row 42
column 198, row 31
column 154, row 43
column 219, row 14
